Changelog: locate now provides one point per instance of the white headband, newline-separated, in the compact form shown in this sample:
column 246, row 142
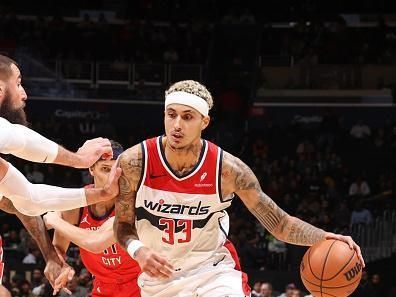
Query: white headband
column 188, row 99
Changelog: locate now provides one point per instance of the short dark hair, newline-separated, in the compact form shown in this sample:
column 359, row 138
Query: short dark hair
column 5, row 67
column 117, row 149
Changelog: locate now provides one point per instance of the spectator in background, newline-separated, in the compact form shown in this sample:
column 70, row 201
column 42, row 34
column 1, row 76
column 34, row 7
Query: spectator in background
column 342, row 217
column 256, row 289
column 375, row 287
column 25, row 289
column 360, row 215
column 297, row 293
column 37, row 278
column 171, row 56
column 12, row 240
column 288, row 290
column 360, row 130
column 359, row 188
column 266, row 290
column 34, row 257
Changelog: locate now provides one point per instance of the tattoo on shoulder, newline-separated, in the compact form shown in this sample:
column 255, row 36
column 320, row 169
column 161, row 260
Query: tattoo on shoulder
column 237, row 173
column 131, row 163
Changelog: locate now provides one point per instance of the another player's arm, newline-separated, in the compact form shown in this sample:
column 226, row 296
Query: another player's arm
column 60, row 241
column 131, row 163
column 238, row 178
column 55, row 269
column 94, row 241
column 29, row 145
column 41, row 198
column 36, row 227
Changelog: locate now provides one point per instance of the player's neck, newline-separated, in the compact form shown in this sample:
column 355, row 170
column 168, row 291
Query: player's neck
column 101, row 208
column 183, row 160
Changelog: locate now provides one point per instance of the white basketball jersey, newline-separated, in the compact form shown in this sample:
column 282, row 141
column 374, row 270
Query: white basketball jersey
column 182, row 218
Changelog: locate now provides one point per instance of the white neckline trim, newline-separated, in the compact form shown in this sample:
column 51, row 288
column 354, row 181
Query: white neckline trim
column 170, row 171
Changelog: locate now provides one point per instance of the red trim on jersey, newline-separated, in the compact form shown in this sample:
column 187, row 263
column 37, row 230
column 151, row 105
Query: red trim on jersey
column 201, row 181
column 1, row 260
column 231, row 248
column 114, row 265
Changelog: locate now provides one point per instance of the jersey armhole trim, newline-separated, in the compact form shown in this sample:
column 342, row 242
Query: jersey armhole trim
column 144, row 165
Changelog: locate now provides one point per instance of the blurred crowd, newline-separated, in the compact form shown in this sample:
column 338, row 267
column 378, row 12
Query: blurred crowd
column 307, row 40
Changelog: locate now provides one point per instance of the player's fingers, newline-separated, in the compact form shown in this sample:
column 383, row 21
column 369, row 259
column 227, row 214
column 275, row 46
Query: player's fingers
column 164, row 262
column 165, row 269
column 165, row 272
column 70, row 274
column 67, row 291
column 149, row 272
column 359, row 254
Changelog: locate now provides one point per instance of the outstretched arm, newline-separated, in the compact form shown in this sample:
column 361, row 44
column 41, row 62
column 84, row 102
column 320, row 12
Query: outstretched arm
column 239, row 178
column 131, row 163
column 55, row 268
column 95, row 241
column 27, row 144
column 36, row 199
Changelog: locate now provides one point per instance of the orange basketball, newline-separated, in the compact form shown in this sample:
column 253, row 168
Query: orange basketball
column 330, row 269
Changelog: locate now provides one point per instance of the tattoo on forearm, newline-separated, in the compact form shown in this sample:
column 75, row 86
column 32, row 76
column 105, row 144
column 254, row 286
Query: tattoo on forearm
column 238, row 177
column 268, row 213
column 303, row 233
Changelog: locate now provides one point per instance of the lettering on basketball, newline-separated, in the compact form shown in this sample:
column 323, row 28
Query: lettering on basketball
column 163, row 207
column 349, row 275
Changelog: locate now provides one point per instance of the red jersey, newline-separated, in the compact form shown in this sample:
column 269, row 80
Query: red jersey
column 113, row 265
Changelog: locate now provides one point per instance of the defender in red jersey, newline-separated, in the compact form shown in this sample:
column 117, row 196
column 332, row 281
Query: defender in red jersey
column 115, row 272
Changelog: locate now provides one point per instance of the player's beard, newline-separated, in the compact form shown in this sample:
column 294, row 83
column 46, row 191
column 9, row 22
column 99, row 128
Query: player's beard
column 12, row 114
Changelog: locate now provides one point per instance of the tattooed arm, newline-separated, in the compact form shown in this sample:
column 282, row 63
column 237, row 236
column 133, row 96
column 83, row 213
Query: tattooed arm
column 56, row 271
column 131, row 163
column 238, row 178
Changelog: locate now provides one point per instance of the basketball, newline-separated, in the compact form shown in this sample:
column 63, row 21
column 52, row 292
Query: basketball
column 330, row 268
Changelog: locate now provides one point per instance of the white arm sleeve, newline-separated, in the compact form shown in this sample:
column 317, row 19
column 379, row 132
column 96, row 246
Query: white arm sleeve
column 36, row 199
column 25, row 143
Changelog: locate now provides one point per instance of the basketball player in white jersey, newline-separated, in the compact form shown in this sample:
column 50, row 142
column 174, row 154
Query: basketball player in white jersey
column 170, row 213
column 15, row 138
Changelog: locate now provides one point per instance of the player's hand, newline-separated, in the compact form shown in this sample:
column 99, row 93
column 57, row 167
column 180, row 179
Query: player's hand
column 93, row 150
column 111, row 189
column 352, row 244
column 153, row 264
column 62, row 280
column 58, row 274
column 50, row 219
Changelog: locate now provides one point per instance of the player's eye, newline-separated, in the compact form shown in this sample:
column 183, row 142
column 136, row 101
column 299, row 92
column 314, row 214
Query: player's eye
column 187, row 117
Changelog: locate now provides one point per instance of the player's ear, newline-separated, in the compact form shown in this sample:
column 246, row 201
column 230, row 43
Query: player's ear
column 205, row 122
column 90, row 169
column 2, row 90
